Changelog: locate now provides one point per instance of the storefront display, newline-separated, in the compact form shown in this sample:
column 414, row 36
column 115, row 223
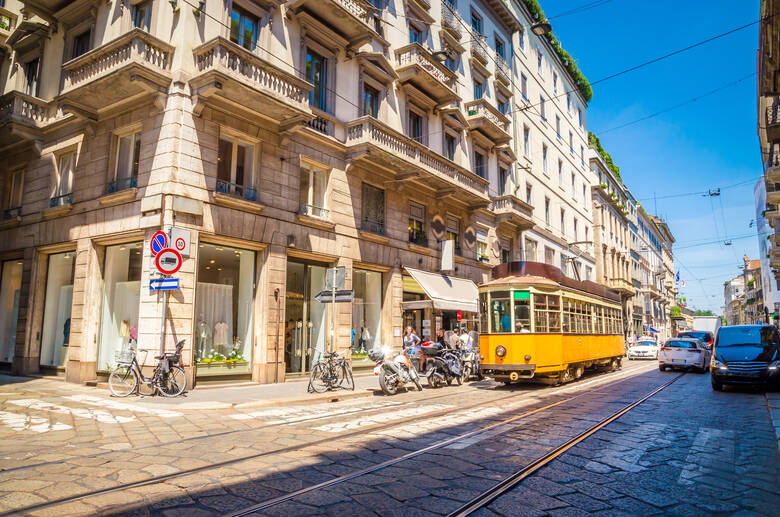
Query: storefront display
column 366, row 315
column 10, row 288
column 55, row 334
column 307, row 319
column 224, row 309
column 121, row 300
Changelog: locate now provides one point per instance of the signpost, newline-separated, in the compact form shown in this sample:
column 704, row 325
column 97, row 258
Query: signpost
column 158, row 242
column 168, row 261
column 342, row 296
column 180, row 241
column 163, row 284
column 334, row 280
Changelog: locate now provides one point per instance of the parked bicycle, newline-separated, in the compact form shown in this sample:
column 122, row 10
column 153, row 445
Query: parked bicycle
column 167, row 378
column 331, row 372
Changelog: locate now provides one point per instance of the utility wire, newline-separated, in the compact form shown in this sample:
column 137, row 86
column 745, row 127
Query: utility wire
column 580, row 9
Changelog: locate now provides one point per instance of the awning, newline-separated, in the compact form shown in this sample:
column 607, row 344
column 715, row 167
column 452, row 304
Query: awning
column 651, row 329
column 446, row 293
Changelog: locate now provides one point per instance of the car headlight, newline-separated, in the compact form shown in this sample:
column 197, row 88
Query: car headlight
column 500, row 351
column 717, row 364
column 774, row 366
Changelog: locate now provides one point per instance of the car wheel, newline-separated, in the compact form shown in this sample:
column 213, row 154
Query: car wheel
column 662, row 367
column 717, row 385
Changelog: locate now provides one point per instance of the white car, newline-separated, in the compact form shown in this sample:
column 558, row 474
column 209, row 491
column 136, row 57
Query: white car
column 684, row 353
column 643, row 349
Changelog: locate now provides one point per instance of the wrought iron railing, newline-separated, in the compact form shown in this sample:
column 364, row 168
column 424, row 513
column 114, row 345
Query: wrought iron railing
column 64, row 199
column 236, row 190
column 418, row 239
column 377, row 227
column 313, row 211
column 11, row 213
column 479, row 47
column 503, row 71
column 121, row 184
column 451, row 19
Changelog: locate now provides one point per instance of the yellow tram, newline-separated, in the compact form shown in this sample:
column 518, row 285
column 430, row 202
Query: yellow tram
column 538, row 324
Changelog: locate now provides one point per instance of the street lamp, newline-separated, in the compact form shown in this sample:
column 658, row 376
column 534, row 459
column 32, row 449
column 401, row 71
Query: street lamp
column 440, row 56
column 541, row 28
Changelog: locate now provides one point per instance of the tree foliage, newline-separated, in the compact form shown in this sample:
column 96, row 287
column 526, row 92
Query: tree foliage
column 595, row 143
column 675, row 311
column 571, row 65
column 700, row 312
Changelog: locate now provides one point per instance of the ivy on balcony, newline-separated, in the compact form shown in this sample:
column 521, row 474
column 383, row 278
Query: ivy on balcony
column 595, row 143
column 571, row 65
column 675, row 311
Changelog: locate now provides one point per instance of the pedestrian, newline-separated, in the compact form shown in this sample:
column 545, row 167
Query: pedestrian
column 412, row 340
column 440, row 337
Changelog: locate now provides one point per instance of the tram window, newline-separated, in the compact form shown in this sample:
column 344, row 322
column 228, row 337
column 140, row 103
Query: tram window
column 599, row 310
column 522, row 312
column 569, row 324
column 483, row 313
column 500, row 311
column 547, row 312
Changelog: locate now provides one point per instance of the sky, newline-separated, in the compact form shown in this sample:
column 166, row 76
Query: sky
column 708, row 144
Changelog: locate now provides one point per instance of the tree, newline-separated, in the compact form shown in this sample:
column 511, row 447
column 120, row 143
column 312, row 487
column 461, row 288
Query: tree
column 675, row 311
column 699, row 312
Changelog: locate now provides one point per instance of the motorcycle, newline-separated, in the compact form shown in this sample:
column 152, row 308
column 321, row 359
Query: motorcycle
column 441, row 365
column 394, row 373
column 469, row 358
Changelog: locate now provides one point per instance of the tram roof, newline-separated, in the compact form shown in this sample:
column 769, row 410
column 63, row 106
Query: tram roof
column 545, row 275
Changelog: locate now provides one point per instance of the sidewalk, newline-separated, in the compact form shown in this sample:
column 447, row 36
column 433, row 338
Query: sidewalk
column 773, row 401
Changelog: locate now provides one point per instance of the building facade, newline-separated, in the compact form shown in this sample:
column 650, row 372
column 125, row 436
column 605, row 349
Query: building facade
column 770, row 291
column 754, row 292
column 649, row 248
column 279, row 139
column 733, row 301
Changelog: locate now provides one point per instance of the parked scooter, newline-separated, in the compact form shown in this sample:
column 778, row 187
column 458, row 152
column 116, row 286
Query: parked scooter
column 393, row 373
column 442, row 365
column 468, row 357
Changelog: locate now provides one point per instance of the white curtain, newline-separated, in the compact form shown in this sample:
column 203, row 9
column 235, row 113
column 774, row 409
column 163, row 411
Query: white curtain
column 9, row 307
column 318, row 314
column 215, row 305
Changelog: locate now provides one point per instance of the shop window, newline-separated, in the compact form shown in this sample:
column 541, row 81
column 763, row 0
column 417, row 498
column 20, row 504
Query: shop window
column 317, row 74
column 235, row 161
column 31, row 71
column 547, row 313
column 121, row 299
column 453, row 232
column 370, row 101
column 450, row 144
column 63, row 188
column 142, row 16
column 243, row 27
column 366, row 312
column 500, row 312
column 417, row 224
column 81, row 43
column 10, row 291
column 12, row 195
column 530, row 250
column 313, row 189
column 224, row 309
column 522, row 301
column 479, row 164
column 55, row 335
column 128, row 156
column 482, row 254
column 373, row 209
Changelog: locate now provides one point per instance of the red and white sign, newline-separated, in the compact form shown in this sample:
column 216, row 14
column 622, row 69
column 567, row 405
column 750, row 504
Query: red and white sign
column 158, row 242
column 168, row 261
column 180, row 240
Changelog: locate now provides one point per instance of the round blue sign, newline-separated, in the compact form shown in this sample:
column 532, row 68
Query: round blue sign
column 159, row 242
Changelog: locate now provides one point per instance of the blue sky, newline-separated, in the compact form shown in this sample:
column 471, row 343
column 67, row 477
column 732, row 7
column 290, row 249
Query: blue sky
column 706, row 144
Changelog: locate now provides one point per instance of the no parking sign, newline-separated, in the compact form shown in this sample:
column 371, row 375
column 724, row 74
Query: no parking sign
column 158, row 243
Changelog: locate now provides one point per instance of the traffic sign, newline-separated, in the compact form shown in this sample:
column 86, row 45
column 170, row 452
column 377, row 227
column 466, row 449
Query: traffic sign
column 168, row 261
column 180, row 240
column 159, row 242
column 163, row 284
column 344, row 295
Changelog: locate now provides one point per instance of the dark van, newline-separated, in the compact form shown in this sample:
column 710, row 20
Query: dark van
column 745, row 354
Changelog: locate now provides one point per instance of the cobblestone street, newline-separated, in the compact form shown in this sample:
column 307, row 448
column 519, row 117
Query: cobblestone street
column 686, row 450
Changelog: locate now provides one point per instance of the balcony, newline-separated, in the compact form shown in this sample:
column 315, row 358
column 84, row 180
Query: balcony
column 352, row 20
column 503, row 71
column 483, row 117
column 133, row 65
column 773, row 164
column 773, row 120
column 622, row 286
column 416, row 67
column 652, row 290
column 451, row 20
column 512, row 212
column 23, row 117
column 229, row 74
column 773, row 193
column 374, row 144
column 479, row 48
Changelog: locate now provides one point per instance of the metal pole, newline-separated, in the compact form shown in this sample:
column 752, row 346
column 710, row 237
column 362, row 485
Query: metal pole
column 164, row 308
column 333, row 311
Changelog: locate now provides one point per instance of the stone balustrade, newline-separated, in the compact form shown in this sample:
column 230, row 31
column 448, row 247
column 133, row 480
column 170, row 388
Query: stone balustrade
column 19, row 107
column 356, row 9
column 415, row 54
column 481, row 108
column 368, row 130
column 509, row 204
column 135, row 47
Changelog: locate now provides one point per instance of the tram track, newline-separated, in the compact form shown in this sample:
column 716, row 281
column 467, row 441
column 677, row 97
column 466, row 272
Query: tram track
column 152, row 480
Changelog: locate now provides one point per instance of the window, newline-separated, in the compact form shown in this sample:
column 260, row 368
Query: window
column 573, row 185
column 479, row 89
column 584, row 200
column 558, row 126
column 560, row 173
column 500, row 312
column 453, row 232
column 31, row 70
column 415, row 35
column 366, row 311
column 142, row 17
column 579, row 116
column 415, row 126
column 547, row 211
column 128, row 154
column 312, row 191
column 476, row 22
column 316, row 74
column 451, row 62
column 547, row 313
column 564, row 261
column 500, row 47
column 549, row 255
column 373, row 209
column 544, row 159
column 482, row 245
column 81, row 43
column 63, row 189
column 528, row 193
column 506, row 255
column 571, row 142
column 479, row 164
column 539, row 62
column 521, row 38
column 526, row 141
column 563, row 222
column 370, row 101
column 243, row 27
column 530, row 250
column 582, row 155
column 588, row 271
column 568, row 102
column 555, row 83
column 417, row 224
column 503, row 181
column 524, row 86
column 450, row 144
column 12, row 202
column 541, row 108
column 235, row 163
column 503, row 105
column 575, row 229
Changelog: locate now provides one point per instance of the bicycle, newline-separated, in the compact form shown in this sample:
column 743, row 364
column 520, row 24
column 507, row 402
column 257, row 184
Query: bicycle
column 168, row 377
column 329, row 373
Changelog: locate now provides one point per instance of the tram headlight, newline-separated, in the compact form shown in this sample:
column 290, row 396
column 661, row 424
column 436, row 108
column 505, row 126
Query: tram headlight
column 500, row 351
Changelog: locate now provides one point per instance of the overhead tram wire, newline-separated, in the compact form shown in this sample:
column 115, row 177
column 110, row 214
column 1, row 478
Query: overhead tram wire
column 580, row 9
column 701, row 192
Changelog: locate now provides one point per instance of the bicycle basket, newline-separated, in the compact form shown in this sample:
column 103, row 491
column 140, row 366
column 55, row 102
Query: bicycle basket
column 125, row 354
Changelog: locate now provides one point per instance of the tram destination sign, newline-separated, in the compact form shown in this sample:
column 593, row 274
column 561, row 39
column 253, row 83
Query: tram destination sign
column 342, row 296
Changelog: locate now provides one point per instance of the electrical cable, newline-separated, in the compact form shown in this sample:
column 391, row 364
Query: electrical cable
column 580, row 9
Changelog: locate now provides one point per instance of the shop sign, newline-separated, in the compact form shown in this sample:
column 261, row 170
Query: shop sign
column 158, row 243
column 168, row 261
column 163, row 284
column 180, row 240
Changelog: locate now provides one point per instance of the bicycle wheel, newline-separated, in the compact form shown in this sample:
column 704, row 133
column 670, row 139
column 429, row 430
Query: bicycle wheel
column 345, row 377
column 172, row 384
column 123, row 381
column 318, row 380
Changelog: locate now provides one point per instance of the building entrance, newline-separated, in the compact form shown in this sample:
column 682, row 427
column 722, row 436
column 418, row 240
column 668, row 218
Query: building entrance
column 306, row 318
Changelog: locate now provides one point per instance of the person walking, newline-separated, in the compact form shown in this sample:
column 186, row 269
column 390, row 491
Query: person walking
column 412, row 340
